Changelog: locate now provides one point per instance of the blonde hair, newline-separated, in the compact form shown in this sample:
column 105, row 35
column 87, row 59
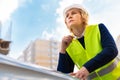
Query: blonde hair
column 84, row 16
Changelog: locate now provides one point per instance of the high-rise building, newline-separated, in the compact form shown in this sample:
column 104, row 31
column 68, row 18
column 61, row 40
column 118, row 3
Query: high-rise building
column 43, row 53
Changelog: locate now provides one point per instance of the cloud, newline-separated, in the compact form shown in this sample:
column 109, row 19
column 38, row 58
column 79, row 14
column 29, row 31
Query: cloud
column 7, row 7
column 45, row 7
column 46, row 35
column 109, row 15
column 61, row 29
column 106, row 12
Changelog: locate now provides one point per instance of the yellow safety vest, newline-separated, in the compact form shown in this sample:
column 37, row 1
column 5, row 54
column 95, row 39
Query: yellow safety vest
column 80, row 56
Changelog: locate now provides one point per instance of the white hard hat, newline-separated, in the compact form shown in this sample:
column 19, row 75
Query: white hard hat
column 78, row 6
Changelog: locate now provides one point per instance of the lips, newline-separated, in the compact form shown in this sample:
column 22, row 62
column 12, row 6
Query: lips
column 71, row 21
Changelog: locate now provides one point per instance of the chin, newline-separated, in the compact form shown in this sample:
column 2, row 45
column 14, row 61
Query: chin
column 72, row 25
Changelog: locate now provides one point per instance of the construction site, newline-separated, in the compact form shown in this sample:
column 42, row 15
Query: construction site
column 13, row 69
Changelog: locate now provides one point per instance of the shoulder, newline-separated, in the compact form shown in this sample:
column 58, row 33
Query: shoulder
column 102, row 27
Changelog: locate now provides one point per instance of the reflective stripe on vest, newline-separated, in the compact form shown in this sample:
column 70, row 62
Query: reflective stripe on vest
column 106, row 70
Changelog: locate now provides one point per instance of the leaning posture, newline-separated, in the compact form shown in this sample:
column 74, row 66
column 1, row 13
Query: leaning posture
column 91, row 48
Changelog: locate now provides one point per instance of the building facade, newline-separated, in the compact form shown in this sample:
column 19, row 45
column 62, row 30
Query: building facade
column 42, row 52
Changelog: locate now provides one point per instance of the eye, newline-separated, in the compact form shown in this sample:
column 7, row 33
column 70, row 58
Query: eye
column 73, row 13
column 67, row 15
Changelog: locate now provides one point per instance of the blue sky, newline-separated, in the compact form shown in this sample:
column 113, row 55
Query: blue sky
column 43, row 19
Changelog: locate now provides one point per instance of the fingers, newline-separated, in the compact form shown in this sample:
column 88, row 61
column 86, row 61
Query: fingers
column 65, row 43
column 79, row 76
column 67, row 40
column 82, row 74
column 72, row 74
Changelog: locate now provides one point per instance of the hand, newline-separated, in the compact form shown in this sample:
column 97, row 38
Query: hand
column 82, row 74
column 65, row 43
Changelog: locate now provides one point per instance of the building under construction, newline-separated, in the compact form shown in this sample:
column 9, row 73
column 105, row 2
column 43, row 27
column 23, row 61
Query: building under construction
column 4, row 43
column 42, row 53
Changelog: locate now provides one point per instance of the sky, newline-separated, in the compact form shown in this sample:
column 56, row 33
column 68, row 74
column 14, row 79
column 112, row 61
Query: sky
column 43, row 19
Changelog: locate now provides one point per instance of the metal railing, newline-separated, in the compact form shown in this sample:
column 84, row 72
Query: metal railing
column 12, row 69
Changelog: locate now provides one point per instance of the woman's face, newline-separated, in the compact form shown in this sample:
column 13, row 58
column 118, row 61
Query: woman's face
column 73, row 18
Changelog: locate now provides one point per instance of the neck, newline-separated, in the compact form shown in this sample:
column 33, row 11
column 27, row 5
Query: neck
column 78, row 32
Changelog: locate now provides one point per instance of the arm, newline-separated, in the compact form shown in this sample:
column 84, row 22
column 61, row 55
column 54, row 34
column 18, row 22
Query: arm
column 108, row 53
column 65, row 64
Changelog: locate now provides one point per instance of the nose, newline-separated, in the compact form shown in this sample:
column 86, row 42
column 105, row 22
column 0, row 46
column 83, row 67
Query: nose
column 70, row 16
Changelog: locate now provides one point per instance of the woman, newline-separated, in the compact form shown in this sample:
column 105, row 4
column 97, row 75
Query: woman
column 91, row 48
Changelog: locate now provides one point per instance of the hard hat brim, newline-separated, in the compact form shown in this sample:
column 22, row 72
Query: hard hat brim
column 77, row 6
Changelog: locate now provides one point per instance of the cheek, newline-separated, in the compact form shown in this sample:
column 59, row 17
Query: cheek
column 66, row 23
column 79, row 20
